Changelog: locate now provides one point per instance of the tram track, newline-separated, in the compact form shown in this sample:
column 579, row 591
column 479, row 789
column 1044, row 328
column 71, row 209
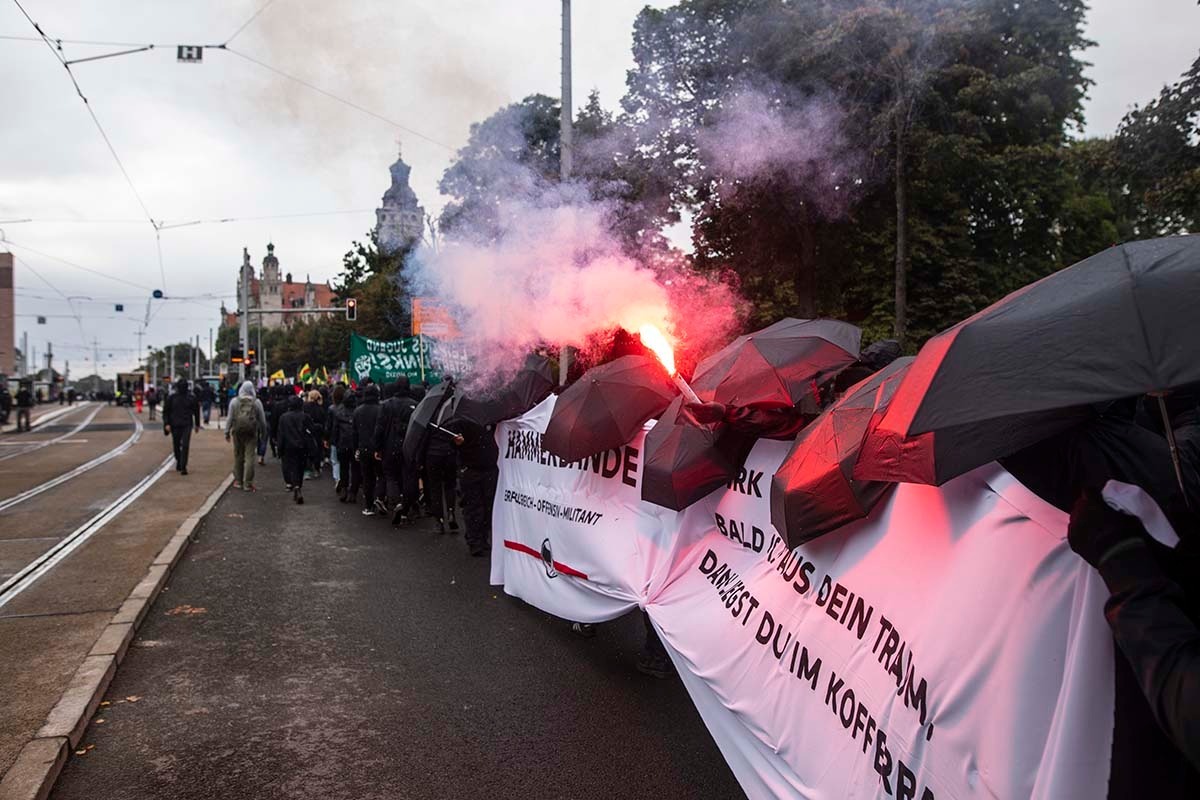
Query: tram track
column 43, row 563
column 33, row 446
column 21, row 497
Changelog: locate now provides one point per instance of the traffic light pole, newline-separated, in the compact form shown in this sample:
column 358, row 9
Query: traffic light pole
column 243, row 311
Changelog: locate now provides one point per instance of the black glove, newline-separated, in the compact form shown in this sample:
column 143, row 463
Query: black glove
column 704, row 413
column 1097, row 531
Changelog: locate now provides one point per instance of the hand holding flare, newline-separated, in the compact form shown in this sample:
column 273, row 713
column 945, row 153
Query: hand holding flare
column 653, row 338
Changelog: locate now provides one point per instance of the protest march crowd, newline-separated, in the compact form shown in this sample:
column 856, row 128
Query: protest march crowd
column 1096, row 433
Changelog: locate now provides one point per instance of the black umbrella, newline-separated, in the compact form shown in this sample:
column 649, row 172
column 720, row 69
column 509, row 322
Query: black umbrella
column 417, row 435
column 607, row 406
column 530, row 386
column 778, row 365
column 813, row 492
column 1116, row 325
column 684, row 462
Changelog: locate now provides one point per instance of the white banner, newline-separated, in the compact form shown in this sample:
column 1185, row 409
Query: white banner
column 574, row 539
column 950, row 646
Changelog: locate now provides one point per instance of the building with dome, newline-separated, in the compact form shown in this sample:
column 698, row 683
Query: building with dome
column 400, row 219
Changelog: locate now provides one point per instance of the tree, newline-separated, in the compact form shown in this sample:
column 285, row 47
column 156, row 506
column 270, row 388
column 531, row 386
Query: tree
column 1158, row 157
column 511, row 154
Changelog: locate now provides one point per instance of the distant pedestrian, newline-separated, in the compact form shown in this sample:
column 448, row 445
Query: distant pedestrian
column 314, row 407
column 138, row 400
column 152, row 401
column 181, row 412
column 295, row 433
column 24, row 406
column 246, row 425
column 6, row 403
column 394, row 415
column 207, row 398
column 366, row 417
column 341, row 440
column 337, row 398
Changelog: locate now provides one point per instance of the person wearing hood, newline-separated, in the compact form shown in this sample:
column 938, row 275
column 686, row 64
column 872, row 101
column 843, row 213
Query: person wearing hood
column 245, row 425
column 295, row 433
column 394, row 415
column 314, row 406
column 365, row 418
column 341, row 443
column 181, row 413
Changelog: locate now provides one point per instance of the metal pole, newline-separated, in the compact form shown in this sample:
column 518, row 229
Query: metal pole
column 565, row 147
column 260, row 357
column 1171, row 445
column 565, row 130
column 210, row 351
column 171, row 371
column 244, row 312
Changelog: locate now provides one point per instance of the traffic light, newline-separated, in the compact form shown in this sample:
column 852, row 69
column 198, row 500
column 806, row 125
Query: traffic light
column 236, row 355
column 250, row 356
column 351, row 309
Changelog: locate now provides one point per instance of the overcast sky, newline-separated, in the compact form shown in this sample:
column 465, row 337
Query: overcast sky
column 229, row 138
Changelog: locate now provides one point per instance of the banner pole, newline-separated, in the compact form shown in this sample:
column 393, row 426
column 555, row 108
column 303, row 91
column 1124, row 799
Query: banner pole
column 421, row 355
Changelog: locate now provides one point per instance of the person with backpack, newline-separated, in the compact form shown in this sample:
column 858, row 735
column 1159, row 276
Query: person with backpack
column 245, row 426
column 152, row 401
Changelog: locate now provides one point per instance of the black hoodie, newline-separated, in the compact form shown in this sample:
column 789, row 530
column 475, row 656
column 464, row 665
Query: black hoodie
column 366, row 417
column 393, row 421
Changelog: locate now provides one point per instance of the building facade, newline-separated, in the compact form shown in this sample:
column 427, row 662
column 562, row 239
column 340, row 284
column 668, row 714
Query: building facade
column 400, row 219
column 270, row 291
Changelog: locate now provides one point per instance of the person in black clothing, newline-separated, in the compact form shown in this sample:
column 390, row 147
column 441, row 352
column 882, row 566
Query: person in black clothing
column 181, row 413
column 342, row 440
column 295, row 434
column 6, row 402
column 315, row 409
column 279, row 402
column 1149, row 616
column 394, row 415
column 365, row 419
column 24, row 407
column 477, row 475
column 441, row 472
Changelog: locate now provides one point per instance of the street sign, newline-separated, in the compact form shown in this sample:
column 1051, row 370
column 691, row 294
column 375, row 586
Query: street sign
column 120, row 306
column 189, row 53
column 41, row 320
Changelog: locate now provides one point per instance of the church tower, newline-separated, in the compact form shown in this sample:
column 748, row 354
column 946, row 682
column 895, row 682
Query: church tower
column 270, row 280
column 400, row 220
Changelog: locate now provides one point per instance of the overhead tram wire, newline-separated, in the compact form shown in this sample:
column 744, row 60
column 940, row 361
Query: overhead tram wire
column 164, row 225
column 57, row 52
column 59, row 292
column 78, row 266
column 342, row 100
column 245, row 24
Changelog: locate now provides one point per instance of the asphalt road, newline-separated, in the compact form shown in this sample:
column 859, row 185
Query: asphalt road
column 309, row 652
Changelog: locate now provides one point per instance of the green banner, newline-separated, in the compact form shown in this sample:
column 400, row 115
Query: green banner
column 383, row 362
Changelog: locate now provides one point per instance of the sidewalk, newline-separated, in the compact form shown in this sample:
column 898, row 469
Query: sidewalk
column 309, row 652
column 48, row 630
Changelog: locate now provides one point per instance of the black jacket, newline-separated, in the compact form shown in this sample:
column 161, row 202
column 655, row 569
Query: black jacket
column 295, row 432
column 394, row 415
column 1148, row 614
column 479, row 450
column 366, row 418
column 181, row 410
column 24, row 398
column 341, row 434
column 317, row 419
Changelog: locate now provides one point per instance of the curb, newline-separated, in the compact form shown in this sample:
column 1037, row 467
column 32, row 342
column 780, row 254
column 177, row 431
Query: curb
column 32, row 775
